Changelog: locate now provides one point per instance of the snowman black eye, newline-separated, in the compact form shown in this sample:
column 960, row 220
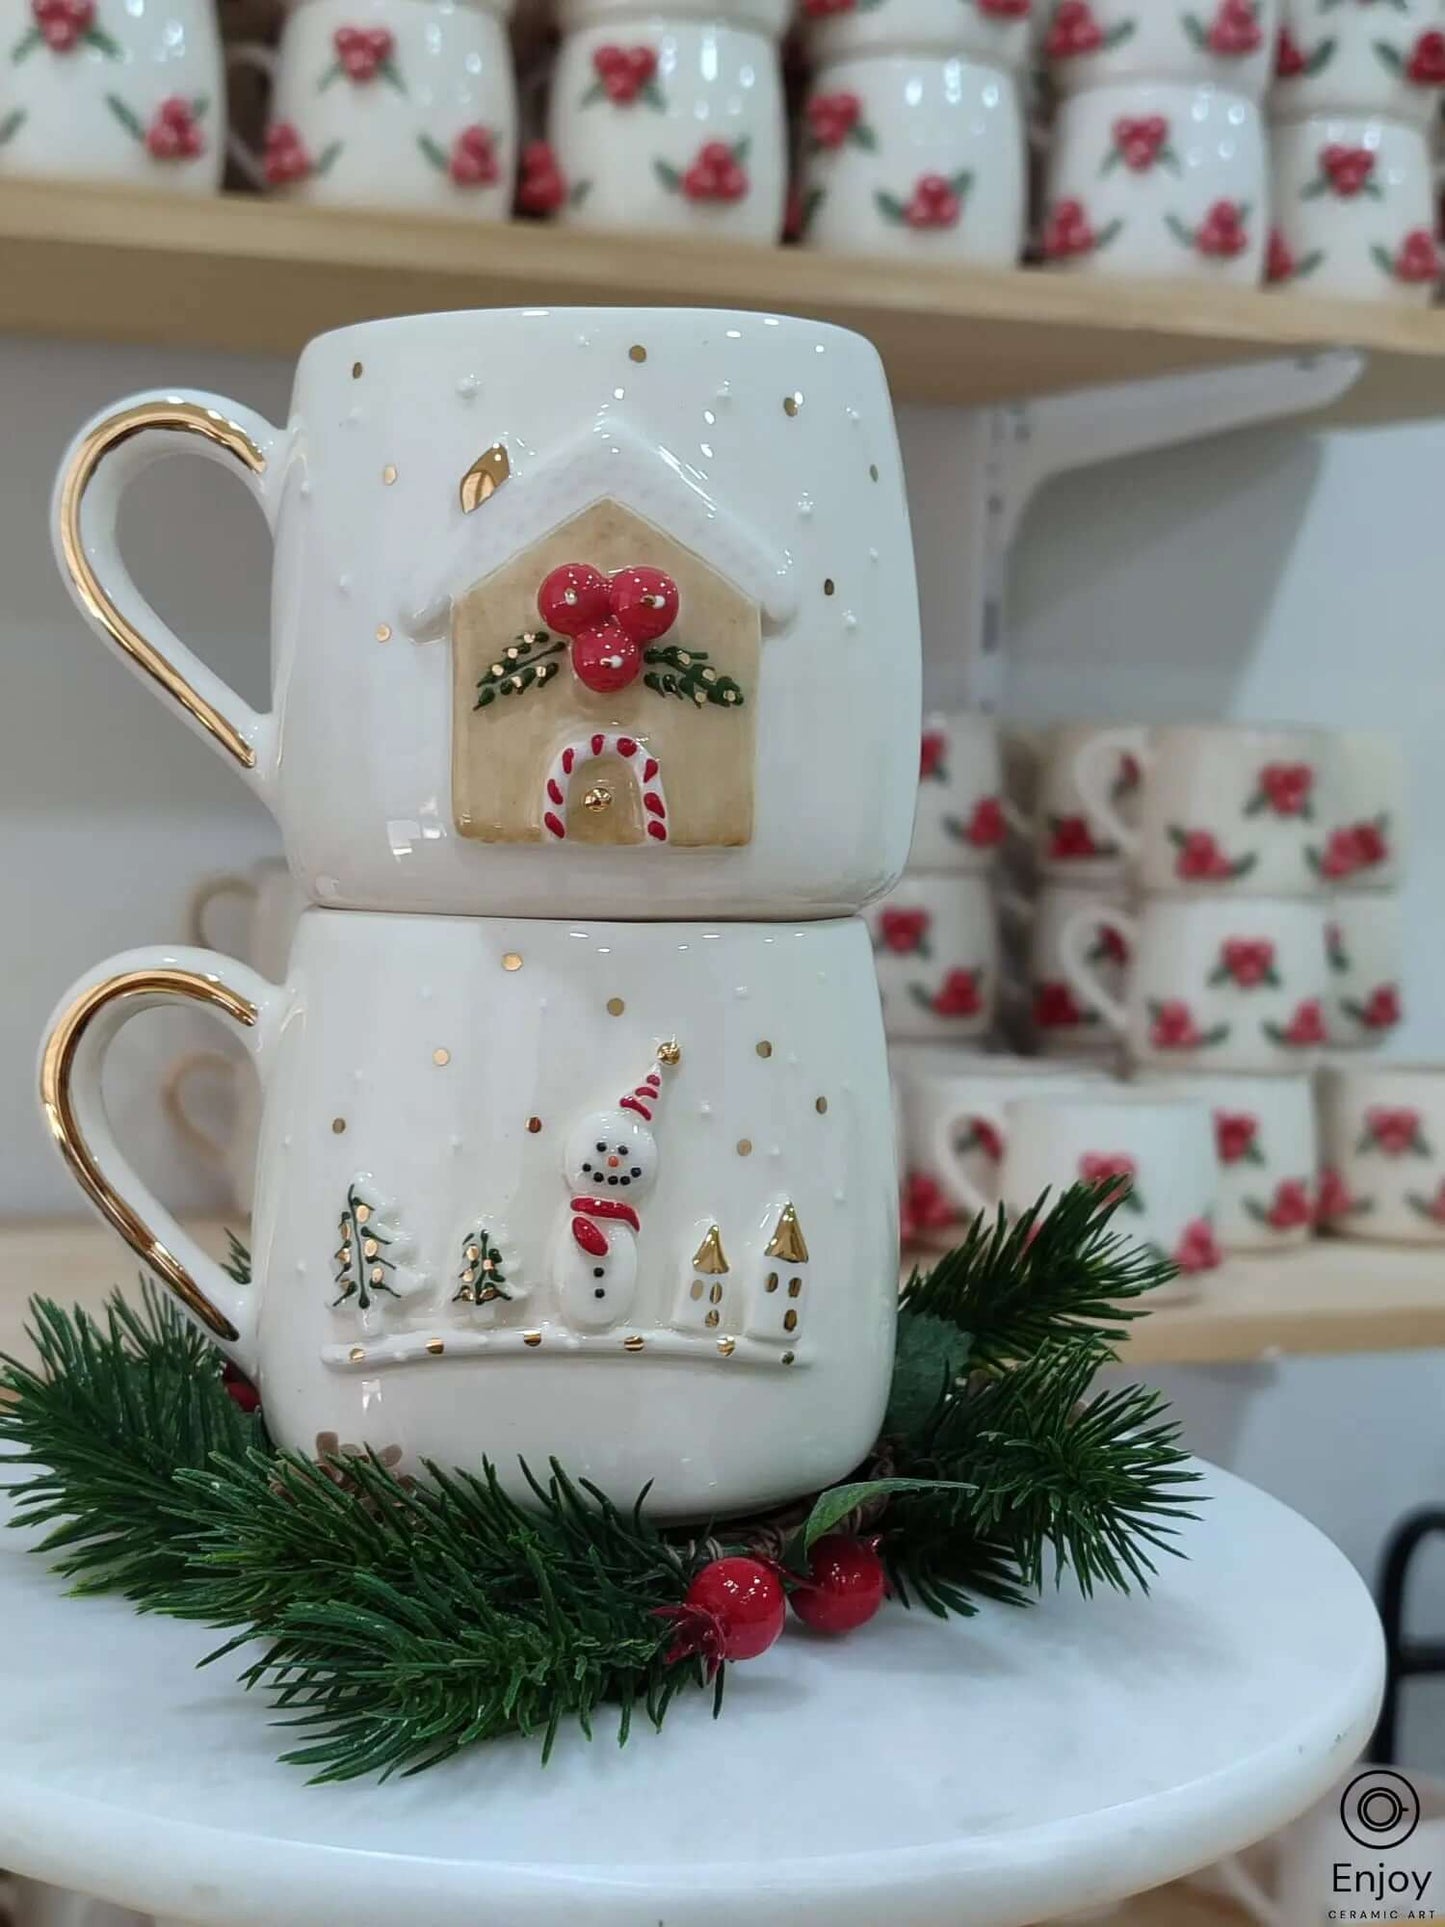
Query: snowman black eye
column 602, row 1147
column 598, row 1272
column 586, row 1167
column 622, row 1150
column 637, row 1170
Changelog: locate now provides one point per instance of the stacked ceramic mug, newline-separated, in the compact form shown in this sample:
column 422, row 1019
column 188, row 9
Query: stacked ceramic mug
column 1355, row 94
column 1158, row 163
column 912, row 133
column 575, row 1127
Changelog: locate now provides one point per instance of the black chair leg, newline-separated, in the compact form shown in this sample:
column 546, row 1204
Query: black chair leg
column 1404, row 1658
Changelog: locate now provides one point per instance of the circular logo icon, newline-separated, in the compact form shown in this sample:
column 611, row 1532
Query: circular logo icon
column 1380, row 1809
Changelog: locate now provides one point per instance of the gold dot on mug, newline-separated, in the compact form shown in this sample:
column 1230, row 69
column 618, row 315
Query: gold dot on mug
column 792, row 403
column 338, row 1125
column 615, row 1006
column 745, row 1147
column 356, row 371
column 637, row 352
column 388, row 474
column 512, row 961
column 873, row 471
column 827, row 585
column 820, row 1105
column 383, row 632
column 534, row 1124
column 441, row 1056
column 763, row 1047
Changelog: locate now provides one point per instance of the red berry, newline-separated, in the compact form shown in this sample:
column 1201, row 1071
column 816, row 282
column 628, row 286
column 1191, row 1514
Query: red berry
column 605, row 658
column 845, row 1587
column 239, row 1388
column 734, row 1609
column 574, row 597
column 644, row 601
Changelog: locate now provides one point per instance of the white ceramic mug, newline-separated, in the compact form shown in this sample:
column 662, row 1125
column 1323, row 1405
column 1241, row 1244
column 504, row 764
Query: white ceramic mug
column 995, row 33
column 129, row 92
column 953, row 1130
column 1383, row 1129
column 918, row 154
column 1365, row 848
column 1070, row 841
column 389, row 103
column 1158, row 178
column 1266, row 1144
column 1354, row 209
column 1365, row 946
column 672, row 119
column 1159, row 1149
column 1225, row 809
column 935, row 943
column 618, row 1192
column 961, row 817
column 729, row 483
column 269, row 906
column 1061, row 1024
column 1360, row 59
column 1218, row 984
column 1226, row 44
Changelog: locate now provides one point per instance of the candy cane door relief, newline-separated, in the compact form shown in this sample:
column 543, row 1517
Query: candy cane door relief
column 606, row 686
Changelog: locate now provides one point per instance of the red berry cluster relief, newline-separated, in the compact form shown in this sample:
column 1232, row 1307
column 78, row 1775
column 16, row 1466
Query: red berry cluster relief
column 609, row 619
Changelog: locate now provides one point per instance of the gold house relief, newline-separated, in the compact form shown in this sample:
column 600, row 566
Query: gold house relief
column 574, row 730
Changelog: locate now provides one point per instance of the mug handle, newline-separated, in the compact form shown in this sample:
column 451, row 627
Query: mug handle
column 250, row 53
column 107, row 453
column 1079, row 931
column 1242, row 1886
column 947, row 1159
column 211, row 890
column 1095, row 763
column 213, row 1149
column 72, row 1058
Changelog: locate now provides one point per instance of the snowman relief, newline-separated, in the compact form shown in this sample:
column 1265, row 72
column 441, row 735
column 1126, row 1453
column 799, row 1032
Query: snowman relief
column 611, row 1163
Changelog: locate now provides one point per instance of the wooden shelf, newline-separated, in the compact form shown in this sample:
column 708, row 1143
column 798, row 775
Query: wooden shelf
column 1332, row 1296
column 240, row 272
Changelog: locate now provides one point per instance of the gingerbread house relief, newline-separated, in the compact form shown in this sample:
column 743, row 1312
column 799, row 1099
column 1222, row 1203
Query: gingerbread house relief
column 605, row 665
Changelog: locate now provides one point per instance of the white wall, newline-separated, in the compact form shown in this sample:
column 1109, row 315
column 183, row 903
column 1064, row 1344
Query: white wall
column 1271, row 575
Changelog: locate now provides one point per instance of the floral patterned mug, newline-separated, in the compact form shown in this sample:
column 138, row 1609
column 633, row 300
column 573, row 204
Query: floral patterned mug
column 1232, row 984
column 995, row 32
column 1061, row 1024
column 1364, row 943
column 1383, row 1128
column 935, row 945
column 389, row 103
column 1071, row 841
column 1158, row 178
column 1365, row 847
column 1354, row 209
column 131, row 92
column 1265, row 1139
column 672, row 119
column 1224, row 809
column 1209, row 43
column 1360, row 59
column 962, row 817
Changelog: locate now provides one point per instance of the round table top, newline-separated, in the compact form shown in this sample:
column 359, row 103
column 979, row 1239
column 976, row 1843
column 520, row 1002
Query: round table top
column 987, row 1772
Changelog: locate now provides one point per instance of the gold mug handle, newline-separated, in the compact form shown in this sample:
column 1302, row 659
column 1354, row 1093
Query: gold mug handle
column 72, row 1057
column 103, row 458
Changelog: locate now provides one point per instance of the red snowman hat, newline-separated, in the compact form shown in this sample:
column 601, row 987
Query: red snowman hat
column 645, row 1097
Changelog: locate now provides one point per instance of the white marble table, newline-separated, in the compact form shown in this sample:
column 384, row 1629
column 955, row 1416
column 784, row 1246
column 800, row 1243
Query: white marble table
column 982, row 1773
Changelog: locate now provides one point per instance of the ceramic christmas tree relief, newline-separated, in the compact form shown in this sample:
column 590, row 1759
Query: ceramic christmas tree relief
column 372, row 1275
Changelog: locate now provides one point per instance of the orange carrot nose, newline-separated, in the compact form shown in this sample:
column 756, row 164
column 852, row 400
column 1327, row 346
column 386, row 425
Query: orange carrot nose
column 614, row 1162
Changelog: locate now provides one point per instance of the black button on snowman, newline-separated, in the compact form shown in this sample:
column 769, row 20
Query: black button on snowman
column 611, row 1162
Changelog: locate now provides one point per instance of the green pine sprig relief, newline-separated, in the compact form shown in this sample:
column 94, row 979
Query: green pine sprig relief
column 533, row 659
column 393, row 1622
column 689, row 675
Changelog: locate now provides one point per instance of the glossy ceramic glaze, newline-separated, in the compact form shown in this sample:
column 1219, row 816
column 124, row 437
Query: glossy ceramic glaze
column 993, row 32
column 1383, row 1130
column 671, row 118
column 1214, row 43
column 1360, row 59
column 1158, row 178
column 752, row 457
column 1159, row 1149
column 953, row 1116
column 1228, row 985
column 1365, row 944
column 915, row 153
column 391, row 103
column 961, row 819
column 1068, row 842
column 129, row 92
column 1354, row 209
column 1060, row 1023
column 1223, row 810
column 935, row 942
column 498, row 1214
column 1265, row 1140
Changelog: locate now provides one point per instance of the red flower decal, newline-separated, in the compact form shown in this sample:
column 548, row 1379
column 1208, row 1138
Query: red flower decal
column 1199, row 858
column 1197, row 1250
column 986, row 828
column 1426, row 64
column 473, row 159
column 1305, row 1027
column 63, row 24
column 1222, row 235
column 362, row 52
column 1139, row 143
column 832, row 118
column 1235, row 29
column 1279, row 260
column 1415, row 262
column 821, row 9
column 239, row 1388
column 1348, row 171
column 1246, row 961
column 1285, row 788
column 1068, row 232
column 934, row 203
column 931, row 765
column 174, row 133
column 904, row 932
column 1173, row 1026
column 958, row 995
column 1096, row 1167
column 1340, row 857
column 1372, row 846
column 623, row 72
column 1055, row 1006
column 716, row 174
column 1070, row 836
column 1334, row 1200
column 285, row 159
column 1290, row 1206
column 1393, row 1129
column 924, row 1206
column 1380, row 1010
column 541, row 184
column 1073, row 31
column 1236, row 1137
column 1432, row 1207
column 1006, row 9
column 985, row 1136
column 1289, row 56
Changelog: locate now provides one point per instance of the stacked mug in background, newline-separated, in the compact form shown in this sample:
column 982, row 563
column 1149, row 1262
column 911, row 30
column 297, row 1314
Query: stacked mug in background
column 1352, row 105
column 912, row 134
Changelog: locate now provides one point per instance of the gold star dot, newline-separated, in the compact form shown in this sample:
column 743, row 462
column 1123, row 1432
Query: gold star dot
column 745, row 1147
column 512, row 961
column 792, row 403
column 356, row 371
column 338, row 1124
column 615, row 1006
column 388, row 474
column 763, row 1047
column 383, row 632
column 441, row 1056
column 820, row 1105
column 637, row 352
column 670, row 1052
column 534, row 1124
column 436, row 1346
column 356, row 1354
column 873, row 471
column 827, row 585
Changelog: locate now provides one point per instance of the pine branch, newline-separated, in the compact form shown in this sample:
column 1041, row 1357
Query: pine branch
column 1051, row 1274
column 688, row 674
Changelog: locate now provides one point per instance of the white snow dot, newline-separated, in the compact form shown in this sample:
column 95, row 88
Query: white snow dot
column 805, row 506
column 850, row 621
column 873, row 555
column 469, row 387
column 742, row 991
column 853, row 415
column 704, row 1109
column 343, row 584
